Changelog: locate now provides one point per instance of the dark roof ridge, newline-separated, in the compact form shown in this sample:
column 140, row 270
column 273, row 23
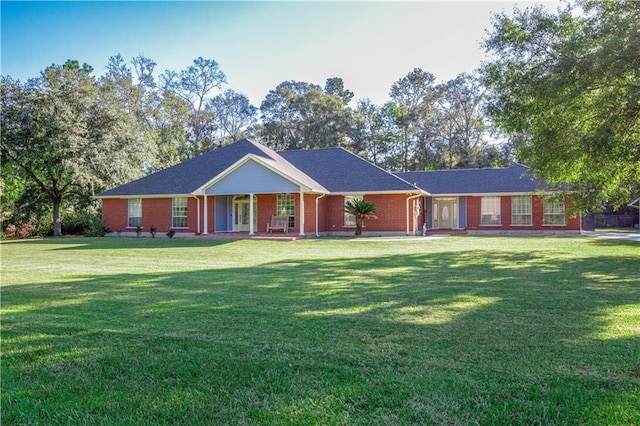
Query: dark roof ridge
column 314, row 149
column 469, row 169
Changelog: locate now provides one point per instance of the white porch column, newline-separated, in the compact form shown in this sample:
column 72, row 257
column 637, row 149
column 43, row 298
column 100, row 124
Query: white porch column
column 301, row 213
column 251, row 230
column 198, row 215
column 206, row 215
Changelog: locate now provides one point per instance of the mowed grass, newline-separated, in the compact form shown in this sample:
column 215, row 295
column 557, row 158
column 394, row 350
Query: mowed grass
column 460, row 330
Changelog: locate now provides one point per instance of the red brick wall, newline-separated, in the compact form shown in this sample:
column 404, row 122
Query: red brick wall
column 267, row 205
column 114, row 214
column 310, row 213
column 155, row 212
column 391, row 212
column 474, row 217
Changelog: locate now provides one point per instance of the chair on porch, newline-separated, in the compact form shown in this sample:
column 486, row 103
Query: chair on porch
column 278, row 223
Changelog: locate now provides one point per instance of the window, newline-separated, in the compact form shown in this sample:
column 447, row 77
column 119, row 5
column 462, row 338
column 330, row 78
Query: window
column 286, row 207
column 521, row 210
column 179, row 213
column 134, row 213
column 553, row 212
column 349, row 219
column 490, row 207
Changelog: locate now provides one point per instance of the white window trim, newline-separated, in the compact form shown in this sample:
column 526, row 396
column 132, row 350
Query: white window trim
column 530, row 214
column 292, row 216
column 139, row 200
column 186, row 216
column 564, row 213
column 499, row 211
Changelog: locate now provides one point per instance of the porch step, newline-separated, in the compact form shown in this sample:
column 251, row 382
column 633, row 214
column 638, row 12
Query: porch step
column 447, row 231
column 256, row 236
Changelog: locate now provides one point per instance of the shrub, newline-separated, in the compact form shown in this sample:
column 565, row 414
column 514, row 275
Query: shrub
column 27, row 229
column 83, row 222
column 96, row 229
column 11, row 231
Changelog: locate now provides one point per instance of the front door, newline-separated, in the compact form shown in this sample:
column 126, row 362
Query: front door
column 242, row 214
column 445, row 214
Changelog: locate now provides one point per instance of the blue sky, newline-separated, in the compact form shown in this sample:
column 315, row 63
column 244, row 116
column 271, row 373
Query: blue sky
column 257, row 44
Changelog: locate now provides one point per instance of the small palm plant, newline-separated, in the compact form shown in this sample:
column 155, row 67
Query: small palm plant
column 362, row 210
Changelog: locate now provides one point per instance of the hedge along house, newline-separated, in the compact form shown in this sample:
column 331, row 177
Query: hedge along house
column 239, row 187
column 501, row 200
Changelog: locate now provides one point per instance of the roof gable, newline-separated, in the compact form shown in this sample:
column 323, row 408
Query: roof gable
column 250, row 175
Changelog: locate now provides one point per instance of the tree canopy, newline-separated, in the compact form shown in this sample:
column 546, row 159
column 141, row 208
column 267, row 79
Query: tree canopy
column 567, row 86
column 67, row 134
column 65, row 137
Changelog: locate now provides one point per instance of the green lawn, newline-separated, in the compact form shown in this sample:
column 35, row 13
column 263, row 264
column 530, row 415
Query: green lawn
column 459, row 330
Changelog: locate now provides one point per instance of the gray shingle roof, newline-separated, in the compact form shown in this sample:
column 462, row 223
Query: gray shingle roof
column 340, row 171
column 328, row 170
column 186, row 177
column 514, row 179
column 322, row 170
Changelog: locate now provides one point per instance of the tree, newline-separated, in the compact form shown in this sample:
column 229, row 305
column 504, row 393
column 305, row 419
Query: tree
column 233, row 114
column 66, row 136
column 362, row 210
column 300, row 115
column 567, row 85
column 282, row 114
column 171, row 121
column 326, row 120
column 413, row 99
column 194, row 86
column 463, row 128
column 335, row 86
column 134, row 89
column 368, row 133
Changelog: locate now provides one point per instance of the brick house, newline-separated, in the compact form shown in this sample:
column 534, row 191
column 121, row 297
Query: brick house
column 502, row 200
column 241, row 186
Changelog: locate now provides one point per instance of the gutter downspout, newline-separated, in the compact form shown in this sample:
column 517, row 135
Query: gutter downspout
column 409, row 199
column 580, row 217
column 317, row 198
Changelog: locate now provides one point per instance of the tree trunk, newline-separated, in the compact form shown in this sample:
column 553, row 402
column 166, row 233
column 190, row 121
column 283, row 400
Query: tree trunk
column 57, row 227
column 358, row 226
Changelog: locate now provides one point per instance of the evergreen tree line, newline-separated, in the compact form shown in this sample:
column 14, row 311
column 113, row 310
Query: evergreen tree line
column 68, row 134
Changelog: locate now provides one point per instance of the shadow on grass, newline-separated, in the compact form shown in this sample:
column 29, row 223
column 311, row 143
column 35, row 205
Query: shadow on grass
column 450, row 337
column 124, row 243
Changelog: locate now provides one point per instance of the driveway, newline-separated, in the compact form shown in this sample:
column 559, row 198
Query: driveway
column 631, row 236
